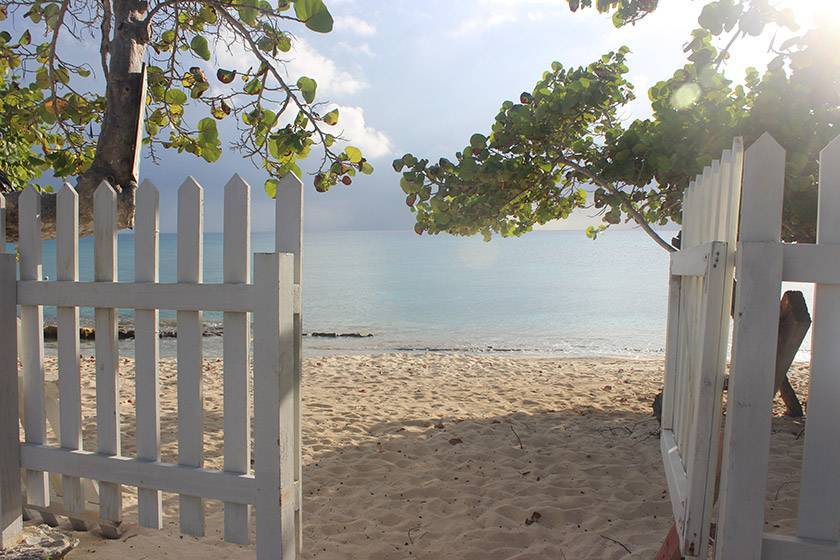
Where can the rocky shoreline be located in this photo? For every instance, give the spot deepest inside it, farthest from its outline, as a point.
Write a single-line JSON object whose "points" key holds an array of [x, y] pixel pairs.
{"points": [[126, 332]]}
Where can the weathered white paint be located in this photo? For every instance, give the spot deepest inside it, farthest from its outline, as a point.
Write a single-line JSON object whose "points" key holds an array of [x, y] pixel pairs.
{"points": [[146, 349], [237, 357], [751, 385], [190, 385], [69, 367], [32, 340], [289, 239], [107, 352], [115, 469], [140, 295], [274, 384], [819, 497], [698, 332], [11, 498], [275, 302]]}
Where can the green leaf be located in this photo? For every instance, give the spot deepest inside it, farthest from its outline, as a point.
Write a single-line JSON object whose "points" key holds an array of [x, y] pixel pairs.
{"points": [[307, 88], [331, 118], [200, 47], [271, 187], [478, 141], [26, 38], [253, 87], [366, 168], [225, 76], [199, 89], [175, 97], [314, 14], [353, 153]]}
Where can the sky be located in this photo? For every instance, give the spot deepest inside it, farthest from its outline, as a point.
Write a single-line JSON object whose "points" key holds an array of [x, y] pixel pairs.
{"points": [[422, 76]]}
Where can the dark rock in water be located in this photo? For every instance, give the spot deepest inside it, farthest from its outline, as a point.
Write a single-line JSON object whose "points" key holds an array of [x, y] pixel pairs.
{"points": [[339, 335], [50, 332], [41, 542]]}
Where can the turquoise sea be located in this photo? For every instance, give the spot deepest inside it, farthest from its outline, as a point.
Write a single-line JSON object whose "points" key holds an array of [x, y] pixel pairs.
{"points": [[547, 293]]}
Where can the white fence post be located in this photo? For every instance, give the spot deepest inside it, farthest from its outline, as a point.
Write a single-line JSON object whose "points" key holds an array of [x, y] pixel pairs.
{"points": [[236, 351], [107, 352], [289, 239], [746, 444], [274, 381], [32, 339], [11, 497], [190, 364], [819, 498], [147, 350], [69, 367]]}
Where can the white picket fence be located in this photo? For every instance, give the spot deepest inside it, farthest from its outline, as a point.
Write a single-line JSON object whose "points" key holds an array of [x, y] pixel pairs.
{"points": [[698, 321], [272, 300], [698, 333]]}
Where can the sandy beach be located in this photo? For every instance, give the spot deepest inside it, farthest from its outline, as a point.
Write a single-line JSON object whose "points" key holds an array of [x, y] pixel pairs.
{"points": [[468, 457]]}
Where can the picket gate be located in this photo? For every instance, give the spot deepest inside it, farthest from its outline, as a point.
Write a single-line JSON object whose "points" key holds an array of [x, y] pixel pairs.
{"points": [[692, 420], [272, 299]]}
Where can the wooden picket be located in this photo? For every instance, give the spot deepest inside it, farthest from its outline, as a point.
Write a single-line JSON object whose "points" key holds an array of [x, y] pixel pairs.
{"points": [[698, 331], [692, 417], [272, 484]]}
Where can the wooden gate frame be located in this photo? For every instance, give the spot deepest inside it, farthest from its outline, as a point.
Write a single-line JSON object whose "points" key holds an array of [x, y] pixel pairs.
{"points": [[274, 299], [699, 299]]}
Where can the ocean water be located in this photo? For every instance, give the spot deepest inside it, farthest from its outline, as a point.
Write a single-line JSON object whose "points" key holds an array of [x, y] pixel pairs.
{"points": [[547, 293]]}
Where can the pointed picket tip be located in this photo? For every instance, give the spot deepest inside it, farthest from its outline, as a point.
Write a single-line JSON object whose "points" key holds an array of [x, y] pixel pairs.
{"points": [[147, 186], [237, 183], [726, 157], [30, 196], [67, 192], [189, 186], [832, 150], [737, 144], [2, 201], [766, 144], [147, 193], [291, 181], [104, 192]]}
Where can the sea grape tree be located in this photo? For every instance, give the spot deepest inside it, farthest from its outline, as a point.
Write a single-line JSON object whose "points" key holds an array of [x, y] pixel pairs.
{"points": [[561, 146], [73, 112]]}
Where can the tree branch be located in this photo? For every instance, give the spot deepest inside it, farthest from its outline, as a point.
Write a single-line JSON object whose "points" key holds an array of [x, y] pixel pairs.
{"points": [[631, 208]]}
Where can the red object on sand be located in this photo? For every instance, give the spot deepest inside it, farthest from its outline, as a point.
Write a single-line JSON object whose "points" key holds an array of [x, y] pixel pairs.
{"points": [[670, 549]]}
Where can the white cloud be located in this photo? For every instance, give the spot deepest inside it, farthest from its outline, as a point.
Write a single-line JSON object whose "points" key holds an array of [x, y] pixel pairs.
{"points": [[302, 60], [495, 13], [353, 128], [353, 24], [361, 48], [332, 80]]}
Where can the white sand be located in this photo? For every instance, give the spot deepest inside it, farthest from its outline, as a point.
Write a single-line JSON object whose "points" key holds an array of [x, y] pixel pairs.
{"points": [[409, 456]]}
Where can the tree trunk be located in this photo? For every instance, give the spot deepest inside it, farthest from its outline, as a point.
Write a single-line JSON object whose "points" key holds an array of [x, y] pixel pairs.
{"points": [[117, 150], [794, 322]]}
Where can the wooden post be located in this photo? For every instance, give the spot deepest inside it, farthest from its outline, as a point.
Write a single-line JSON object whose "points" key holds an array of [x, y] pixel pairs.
{"points": [[32, 342], [147, 350], [289, 239], [190, 363], [746, 445], [794, 322], [11, 497], [236, 351], [274, 406], [69, 367], [107, 354], [819, 495]]}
